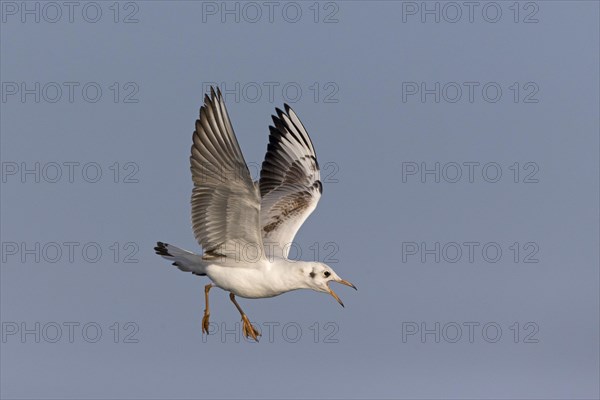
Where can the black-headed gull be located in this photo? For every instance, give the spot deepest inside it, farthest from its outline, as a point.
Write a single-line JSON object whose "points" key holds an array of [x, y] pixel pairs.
{"points": [[246, 228]]}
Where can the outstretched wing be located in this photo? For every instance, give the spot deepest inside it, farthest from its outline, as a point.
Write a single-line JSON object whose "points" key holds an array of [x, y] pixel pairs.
{"points": [[225, 201], [289, 182]]}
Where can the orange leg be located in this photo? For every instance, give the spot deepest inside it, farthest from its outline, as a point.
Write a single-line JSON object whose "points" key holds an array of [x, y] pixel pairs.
{"points": [[247, 328], [205, 319]]}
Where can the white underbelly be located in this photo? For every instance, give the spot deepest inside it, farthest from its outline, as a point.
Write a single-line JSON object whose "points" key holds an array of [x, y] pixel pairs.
{"points": [[244, 282]]}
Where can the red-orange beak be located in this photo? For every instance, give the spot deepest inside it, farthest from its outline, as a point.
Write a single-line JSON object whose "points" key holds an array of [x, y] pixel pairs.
{"points": [[335, 296]]}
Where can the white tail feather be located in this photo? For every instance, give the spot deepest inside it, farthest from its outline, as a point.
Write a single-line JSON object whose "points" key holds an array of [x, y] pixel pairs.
{"points": [[182, 259]]}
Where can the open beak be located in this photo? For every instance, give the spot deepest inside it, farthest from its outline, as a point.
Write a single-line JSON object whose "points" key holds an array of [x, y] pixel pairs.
{"points": [[335, 296]]}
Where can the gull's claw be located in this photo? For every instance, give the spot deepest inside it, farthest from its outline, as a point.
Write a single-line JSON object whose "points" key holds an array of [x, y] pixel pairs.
{"points": [[248, 329]]}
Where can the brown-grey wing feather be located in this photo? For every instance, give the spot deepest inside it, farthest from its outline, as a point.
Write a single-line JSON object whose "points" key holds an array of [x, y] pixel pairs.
{"points": [[225, 201], [290, 185]]}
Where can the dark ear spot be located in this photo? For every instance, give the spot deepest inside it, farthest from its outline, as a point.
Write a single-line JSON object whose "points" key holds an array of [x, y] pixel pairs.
{"points": [[312, 274]]}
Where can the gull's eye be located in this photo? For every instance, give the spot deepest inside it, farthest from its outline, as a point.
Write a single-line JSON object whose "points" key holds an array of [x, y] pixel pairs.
{"points": [[326, 273]]}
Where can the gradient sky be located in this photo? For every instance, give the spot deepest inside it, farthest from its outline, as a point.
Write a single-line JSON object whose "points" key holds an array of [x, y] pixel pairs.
{"points": [[397, 105]]}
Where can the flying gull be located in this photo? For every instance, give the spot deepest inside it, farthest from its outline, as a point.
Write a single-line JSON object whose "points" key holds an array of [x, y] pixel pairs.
{"points": [[246, 228]]}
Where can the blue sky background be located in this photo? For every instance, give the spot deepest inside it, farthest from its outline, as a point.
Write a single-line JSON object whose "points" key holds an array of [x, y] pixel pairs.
{"points": [[355, 73]]}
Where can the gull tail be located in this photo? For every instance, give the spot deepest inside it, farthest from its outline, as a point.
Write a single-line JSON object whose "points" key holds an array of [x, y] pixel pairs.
{"points": [[182, 259]]}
